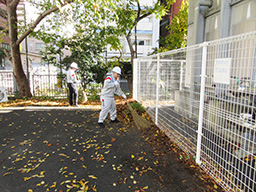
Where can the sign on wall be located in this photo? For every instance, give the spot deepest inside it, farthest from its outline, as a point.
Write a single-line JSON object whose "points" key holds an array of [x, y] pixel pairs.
{"points": [[222, 70]]}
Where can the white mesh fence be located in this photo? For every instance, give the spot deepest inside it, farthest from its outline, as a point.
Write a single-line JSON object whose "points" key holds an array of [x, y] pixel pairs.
{"points": [[203, 98]]}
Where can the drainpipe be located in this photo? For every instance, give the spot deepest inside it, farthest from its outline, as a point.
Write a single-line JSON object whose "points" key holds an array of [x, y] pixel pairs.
{"points": [[199, 24], [199, 29], [199, 19]]}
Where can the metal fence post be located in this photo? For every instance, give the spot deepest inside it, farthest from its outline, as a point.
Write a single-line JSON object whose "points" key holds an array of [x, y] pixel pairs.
{"points": [[135, 79], [139, 82], [181, 74], [201, 106], [157, 87]]}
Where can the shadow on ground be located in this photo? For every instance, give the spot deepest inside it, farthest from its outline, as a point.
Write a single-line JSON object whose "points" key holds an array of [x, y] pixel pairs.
{"points": [[65, 150]]}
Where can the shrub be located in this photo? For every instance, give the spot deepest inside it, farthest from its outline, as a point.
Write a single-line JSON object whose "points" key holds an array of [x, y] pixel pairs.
{"points": [[138, 107]]}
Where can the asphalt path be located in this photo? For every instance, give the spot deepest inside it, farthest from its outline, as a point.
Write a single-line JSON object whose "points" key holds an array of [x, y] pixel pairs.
{"points": [[64, 149]]}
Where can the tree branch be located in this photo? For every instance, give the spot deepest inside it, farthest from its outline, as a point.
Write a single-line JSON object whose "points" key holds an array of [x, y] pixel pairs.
{"points": [[7, 54], [14, 2], [38, 20]]}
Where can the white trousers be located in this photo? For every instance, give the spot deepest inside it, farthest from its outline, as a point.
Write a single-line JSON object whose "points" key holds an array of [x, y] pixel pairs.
{"points": [[108, 106]]}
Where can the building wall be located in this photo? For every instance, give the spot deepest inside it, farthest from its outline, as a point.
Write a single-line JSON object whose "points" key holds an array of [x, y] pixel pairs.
{"points": [[5, 41], [167, 19], [221, 19]]}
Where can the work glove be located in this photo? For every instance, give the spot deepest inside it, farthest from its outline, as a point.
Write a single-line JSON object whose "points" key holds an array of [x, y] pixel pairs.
{"points": [[124, 96], [116, 83]]}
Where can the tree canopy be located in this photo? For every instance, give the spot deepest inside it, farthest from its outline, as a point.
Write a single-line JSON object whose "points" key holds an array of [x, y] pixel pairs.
{"points": [[178, 30]]}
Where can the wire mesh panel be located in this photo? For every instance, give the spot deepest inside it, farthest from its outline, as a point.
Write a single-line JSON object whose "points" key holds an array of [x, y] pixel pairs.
{"points": [[48, 85], [7, 81], [228, 145], [203, 97]]}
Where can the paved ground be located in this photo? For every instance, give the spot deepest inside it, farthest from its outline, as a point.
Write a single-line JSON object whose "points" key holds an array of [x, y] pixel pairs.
{"points": [[53, 149]]}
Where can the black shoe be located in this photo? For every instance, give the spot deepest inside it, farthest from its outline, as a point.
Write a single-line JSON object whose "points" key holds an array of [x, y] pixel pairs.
{"points": [[115, 121], [101, 124]]}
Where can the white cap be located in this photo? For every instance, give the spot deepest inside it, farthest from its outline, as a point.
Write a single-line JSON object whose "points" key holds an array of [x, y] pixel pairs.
{"points": [[74, 65], [117, 70]]}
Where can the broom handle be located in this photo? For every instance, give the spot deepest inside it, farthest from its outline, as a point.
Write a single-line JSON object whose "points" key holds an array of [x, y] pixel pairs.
{"points": [[122, 92]]}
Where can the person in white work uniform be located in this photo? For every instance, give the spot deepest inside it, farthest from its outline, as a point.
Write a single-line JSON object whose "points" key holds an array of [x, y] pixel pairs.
{"points": [[71, 82], [111, 86]]}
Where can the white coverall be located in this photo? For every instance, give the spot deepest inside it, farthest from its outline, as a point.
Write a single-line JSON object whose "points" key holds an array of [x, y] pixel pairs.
{"points": [[107, 99]]}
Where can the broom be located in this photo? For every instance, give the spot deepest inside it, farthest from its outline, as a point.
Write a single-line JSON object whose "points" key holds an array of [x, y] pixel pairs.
{"points": [[139, 121], [84, 96]]}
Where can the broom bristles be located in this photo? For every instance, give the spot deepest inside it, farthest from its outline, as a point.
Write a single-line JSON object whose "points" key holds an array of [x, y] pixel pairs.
{"points": [[84, 100], [139, 121]]}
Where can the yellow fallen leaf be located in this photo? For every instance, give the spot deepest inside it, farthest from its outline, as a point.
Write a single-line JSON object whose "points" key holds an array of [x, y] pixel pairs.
{"points": [[7, 173], [26, 178], [42, 172], [30, 190], [54, 185], [68, 186], [63, 172], [215, 186], [92, 176]]}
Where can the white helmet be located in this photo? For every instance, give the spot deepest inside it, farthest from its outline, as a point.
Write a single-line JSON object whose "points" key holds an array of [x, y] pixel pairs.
{"points": [[117, 70], [74, 65]]}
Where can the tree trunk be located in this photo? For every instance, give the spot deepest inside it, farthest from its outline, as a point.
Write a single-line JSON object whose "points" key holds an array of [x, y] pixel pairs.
{"points": [[18, 71], [130, 79], [21, 79]]}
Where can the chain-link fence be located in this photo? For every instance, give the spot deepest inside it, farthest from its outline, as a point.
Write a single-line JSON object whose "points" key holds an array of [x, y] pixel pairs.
{"points": [[203, 98]]}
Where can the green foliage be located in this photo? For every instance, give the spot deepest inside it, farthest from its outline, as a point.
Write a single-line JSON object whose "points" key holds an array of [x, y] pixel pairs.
{"points": [[93, 94], [178, 30], [138, 107], [87, 39]]}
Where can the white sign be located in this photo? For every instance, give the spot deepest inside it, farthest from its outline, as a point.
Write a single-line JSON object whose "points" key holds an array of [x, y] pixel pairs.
{"points": [[222, 71], [3, 96]]}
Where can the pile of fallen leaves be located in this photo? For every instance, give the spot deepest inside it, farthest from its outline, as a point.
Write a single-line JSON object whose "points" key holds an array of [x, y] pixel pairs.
{"points": [[164, 145], [41, 101]]}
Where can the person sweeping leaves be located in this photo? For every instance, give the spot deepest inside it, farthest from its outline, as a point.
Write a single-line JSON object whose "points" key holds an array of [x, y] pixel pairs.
{"points": [[111, 86], [71, 83]]}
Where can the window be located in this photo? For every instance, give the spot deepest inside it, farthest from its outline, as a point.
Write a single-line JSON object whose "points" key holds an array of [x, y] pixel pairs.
{"points": [[141, 43], [243, 17], [212, 27], [39, 45]]}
